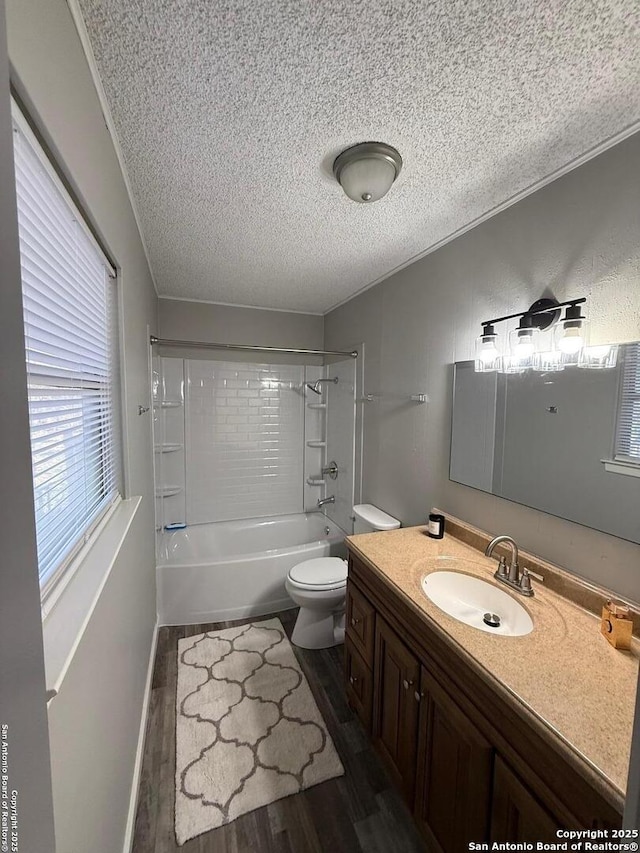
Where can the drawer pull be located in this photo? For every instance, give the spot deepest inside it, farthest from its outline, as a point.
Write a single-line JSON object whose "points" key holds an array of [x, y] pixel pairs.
{"points": [[407, 684], [354, 621]]}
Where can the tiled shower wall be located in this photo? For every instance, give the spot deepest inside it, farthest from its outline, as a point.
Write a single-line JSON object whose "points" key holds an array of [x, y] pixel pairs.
{"points": [[244, 427]]}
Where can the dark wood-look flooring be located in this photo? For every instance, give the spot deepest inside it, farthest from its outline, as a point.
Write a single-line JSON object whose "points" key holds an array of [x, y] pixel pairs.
{"points": [[360, 811]]}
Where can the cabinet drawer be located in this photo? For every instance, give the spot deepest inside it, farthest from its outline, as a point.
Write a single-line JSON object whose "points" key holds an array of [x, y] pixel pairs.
{"points": [[359, 683], [360, 623]]}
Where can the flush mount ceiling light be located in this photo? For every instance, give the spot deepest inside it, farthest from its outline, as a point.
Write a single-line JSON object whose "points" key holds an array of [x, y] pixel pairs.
{"points": [[366, 171]]}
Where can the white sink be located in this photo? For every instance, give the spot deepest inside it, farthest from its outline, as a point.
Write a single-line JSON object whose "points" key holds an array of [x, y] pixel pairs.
{"points": [[471, 600]]}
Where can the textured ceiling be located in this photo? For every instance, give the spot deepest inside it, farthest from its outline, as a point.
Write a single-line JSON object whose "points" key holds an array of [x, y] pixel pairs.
{"points": [[229, 114]]}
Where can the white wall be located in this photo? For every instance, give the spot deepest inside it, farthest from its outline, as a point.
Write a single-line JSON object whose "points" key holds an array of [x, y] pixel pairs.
{"points": [[22, 683], [244, 433], [577, 237], [95, 720]]}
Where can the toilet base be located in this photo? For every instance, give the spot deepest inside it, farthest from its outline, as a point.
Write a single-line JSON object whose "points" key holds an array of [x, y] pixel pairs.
{"points": [[318, 630]]}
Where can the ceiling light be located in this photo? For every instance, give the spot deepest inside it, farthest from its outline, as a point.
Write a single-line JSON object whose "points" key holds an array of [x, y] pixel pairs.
{"points": [[366, 171]]}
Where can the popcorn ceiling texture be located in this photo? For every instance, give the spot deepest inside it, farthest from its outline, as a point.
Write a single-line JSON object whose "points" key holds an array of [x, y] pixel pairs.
{"points": [[229, 115]]}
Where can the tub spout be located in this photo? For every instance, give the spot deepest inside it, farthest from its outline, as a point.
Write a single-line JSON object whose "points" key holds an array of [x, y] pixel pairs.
{"points": [[330, 500]]}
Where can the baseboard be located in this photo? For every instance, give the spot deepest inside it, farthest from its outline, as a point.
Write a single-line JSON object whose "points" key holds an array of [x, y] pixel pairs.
{"points": [[137, 769]]}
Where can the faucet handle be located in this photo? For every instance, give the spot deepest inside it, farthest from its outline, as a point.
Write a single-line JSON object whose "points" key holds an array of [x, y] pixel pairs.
{"points": [[502, 571], [525, 581]]}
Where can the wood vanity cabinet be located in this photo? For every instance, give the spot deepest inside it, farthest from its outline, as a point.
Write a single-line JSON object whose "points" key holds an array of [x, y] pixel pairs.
{"points": [[359, 653], [516, 814], [395, 712], [469, 767], [455, 763]]}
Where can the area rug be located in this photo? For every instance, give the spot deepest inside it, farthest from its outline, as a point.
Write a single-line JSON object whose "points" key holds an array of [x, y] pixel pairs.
{"points": [[248, 730]]}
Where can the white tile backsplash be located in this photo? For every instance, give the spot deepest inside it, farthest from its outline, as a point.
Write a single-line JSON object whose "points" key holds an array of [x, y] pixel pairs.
{"points": [[244, 440]]}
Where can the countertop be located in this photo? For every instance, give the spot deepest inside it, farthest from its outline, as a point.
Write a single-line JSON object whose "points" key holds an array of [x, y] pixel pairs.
{"points": [[565, 673]]}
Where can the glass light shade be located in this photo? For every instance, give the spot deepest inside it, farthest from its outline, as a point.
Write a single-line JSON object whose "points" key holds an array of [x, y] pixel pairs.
{"points": [[548, 362], [570, 337], [510, 364], [487, 353], [599, 358], [368, 179], [523, 345]]}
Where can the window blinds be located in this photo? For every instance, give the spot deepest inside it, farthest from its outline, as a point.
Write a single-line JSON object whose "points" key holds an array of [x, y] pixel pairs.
{"points": [[69, 299], [628, 429]]}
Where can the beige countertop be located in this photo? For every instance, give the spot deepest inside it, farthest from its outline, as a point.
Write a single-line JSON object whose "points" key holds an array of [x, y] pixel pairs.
{"points": [[564, 672]]}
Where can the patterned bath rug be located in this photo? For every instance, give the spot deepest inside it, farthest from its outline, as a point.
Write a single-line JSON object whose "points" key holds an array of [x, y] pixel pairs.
{"points": [[248, 730]]}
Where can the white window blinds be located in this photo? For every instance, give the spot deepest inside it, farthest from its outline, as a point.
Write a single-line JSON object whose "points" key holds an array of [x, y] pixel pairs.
{"points": [[69, 299], [628, 429]]}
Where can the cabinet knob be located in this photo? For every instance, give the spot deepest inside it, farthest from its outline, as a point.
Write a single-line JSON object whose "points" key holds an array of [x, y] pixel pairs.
{"points": [[354, 621], [352, 679], [407, 684], [418, 696]]}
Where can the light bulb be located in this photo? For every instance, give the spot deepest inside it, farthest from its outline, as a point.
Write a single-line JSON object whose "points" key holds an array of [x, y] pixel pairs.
{"points": [[524, 348], [571, 341], [488, 352]]}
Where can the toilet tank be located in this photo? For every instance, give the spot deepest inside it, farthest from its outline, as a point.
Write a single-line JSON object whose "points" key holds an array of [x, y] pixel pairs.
{"points": [[369, 519]]}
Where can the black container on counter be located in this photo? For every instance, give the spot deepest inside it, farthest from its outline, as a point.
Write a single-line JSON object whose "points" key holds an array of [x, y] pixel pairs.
{"points": [[435, 526]]}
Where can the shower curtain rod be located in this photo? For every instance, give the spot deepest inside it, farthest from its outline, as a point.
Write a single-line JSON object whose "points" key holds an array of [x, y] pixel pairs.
{"points": [[168, 342]]}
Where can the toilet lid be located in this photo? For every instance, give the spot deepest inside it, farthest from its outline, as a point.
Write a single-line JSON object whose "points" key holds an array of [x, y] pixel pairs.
{"points": [[322, 571]]}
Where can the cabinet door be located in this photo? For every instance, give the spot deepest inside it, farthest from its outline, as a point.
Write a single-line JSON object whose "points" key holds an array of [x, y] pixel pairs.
{"points": [[358, 683], [455, 764], [395, 709], [516, 814], [360, 620]]}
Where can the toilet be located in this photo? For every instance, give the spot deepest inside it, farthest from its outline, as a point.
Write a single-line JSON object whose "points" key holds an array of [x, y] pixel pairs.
{"points": [[319, 587]]}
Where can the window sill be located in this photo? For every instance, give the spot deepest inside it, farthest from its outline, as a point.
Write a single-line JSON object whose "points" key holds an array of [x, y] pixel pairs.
{"points": [[66, 618], [614, 466]]}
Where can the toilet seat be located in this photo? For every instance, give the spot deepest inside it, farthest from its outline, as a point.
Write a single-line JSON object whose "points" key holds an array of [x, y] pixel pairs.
{"points": [[321, 574]]}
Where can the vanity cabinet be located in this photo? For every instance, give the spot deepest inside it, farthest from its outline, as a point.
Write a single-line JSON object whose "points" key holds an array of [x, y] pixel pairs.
{"points": [[395, 717], [454, 769], [469, 766], [359, 654], [516, 814]]}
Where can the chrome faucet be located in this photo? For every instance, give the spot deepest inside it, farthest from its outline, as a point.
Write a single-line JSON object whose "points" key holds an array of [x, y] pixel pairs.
{"points": [[330, 500], [510, 574]]}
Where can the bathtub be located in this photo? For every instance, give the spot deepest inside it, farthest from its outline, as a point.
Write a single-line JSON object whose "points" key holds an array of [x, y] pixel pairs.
{"points": [[234, 569]]}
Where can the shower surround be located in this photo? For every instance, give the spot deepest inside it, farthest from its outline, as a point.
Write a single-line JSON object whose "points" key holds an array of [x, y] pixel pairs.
{"points": [[240, 449]]}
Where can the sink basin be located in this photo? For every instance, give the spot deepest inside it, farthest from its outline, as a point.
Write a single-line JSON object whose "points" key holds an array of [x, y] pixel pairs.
{"points": [[472, 601]]}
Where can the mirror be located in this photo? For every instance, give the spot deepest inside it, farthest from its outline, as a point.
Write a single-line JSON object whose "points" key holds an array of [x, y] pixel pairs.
{"points": [[542, 439]]}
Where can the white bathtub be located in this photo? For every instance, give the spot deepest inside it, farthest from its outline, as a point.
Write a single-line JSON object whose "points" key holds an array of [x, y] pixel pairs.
{"points": [[234, 569]]}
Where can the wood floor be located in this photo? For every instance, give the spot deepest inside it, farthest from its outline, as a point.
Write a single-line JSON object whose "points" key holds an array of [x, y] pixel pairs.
{"points": [[360, 811]]}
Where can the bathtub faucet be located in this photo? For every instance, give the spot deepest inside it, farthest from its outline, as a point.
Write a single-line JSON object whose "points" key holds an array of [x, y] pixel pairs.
{"points": [[330, 500]]}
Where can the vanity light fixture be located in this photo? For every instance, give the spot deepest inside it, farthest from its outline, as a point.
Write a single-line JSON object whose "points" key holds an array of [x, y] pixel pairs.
{"points": [[366, 171], [529, 348]]}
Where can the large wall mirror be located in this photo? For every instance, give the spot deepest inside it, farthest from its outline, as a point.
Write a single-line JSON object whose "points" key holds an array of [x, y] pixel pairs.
{"points": [[547, 440]]}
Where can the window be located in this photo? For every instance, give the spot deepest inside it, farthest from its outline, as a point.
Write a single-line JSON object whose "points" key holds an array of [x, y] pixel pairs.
{"points": [[628, 429], [69, 298]]}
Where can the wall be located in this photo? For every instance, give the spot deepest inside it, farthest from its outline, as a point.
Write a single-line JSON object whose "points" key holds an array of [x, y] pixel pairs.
{"points": [[95, 721], [22, 683], [201, 321], [244, 433], [576, 237]]}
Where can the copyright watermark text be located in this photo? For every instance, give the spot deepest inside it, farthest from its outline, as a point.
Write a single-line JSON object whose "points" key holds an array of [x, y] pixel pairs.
{"points": [[578, 840]]}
